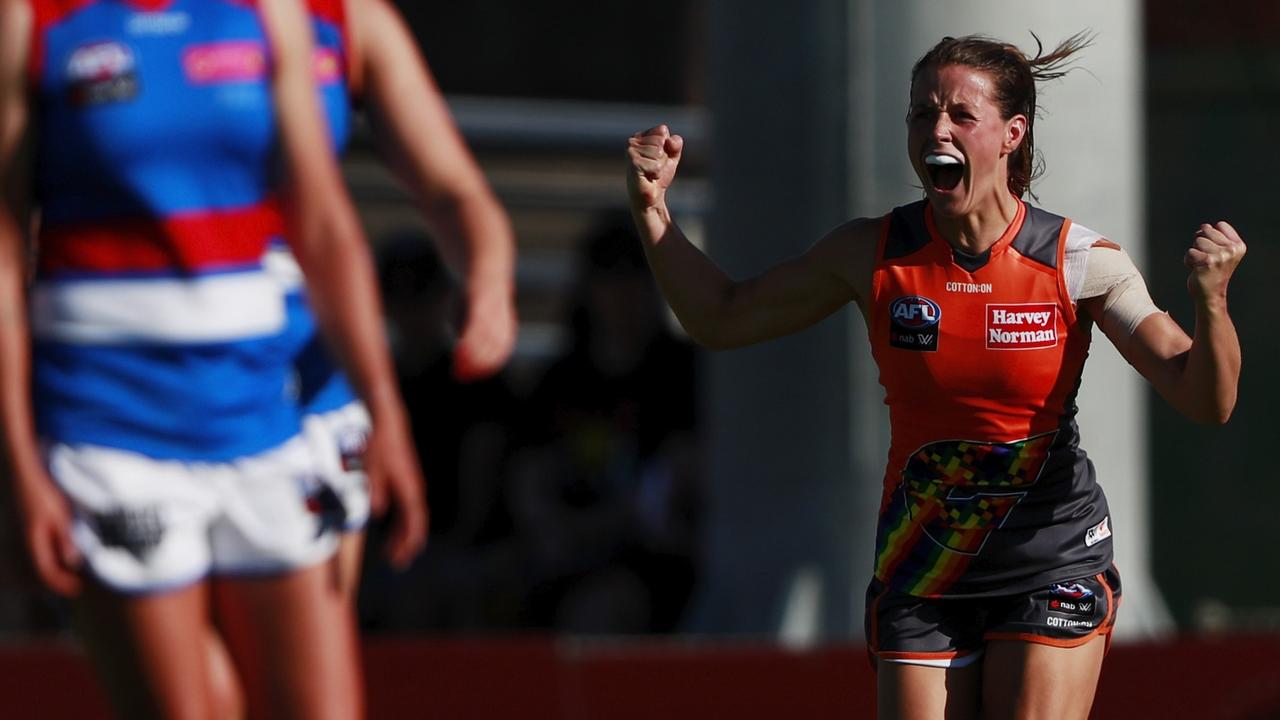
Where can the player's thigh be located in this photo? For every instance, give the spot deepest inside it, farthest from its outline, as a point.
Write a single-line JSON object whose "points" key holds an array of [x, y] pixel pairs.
{"points": [[294, 639], [337, 440], [350, 559], [919, 692], [927, 653], [1045, 647], [1028, 680], [150, 649], [227, 696]]}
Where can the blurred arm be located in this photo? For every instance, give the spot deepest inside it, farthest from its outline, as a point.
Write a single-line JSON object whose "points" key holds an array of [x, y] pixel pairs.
{"points": [[45, 516], [717, 311], [420, 143], [330, 246]]}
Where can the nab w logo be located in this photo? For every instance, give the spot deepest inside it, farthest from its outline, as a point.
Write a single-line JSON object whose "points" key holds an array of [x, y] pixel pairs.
{"points": [[914, 321]]}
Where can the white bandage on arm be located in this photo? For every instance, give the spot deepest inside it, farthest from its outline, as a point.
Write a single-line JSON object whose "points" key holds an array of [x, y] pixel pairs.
{"points": [[1111, 274]]}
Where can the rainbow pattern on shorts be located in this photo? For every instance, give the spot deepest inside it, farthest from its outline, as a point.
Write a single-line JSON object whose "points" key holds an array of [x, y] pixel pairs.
{"points": [[953, 495]]}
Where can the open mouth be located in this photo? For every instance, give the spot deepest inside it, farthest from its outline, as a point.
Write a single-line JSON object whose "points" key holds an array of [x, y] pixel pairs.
{"points": [[945, 171]]}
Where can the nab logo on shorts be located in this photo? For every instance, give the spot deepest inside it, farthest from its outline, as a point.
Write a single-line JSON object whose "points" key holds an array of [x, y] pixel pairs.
{"points": [[914, 322], [1022, 326], [101, 72], [1072, 599]]}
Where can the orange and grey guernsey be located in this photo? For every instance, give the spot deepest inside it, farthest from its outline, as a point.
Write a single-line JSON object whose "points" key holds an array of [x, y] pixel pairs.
{"points": [[987, 491]]}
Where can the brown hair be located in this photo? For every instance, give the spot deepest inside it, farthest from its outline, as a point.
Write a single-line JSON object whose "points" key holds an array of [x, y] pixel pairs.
{"points": [[1015, 76]]}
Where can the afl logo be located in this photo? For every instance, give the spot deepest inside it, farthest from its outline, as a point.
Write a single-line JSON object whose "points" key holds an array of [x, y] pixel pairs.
{"points": [[914, 322], [102, 72], [98, 62], [915, 312]]}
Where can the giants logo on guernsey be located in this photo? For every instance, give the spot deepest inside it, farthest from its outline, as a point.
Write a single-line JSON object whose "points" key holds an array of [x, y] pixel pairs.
{"points": [[1022, 326]]}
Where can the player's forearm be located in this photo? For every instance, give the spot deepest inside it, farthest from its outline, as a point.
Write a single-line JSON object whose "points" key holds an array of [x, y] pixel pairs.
{"points": [[1212, 373], [16, 422], [342, 289], [419, 141], [475, 238], [323, 227], [697, 290]]}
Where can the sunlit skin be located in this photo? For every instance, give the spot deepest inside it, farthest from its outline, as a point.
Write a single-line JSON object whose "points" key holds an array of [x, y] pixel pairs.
{"points": [[952, 112]]}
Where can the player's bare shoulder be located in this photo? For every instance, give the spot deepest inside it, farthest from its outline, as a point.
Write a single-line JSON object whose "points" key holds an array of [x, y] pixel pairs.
{"points": [[16, 21], [849, 250]]}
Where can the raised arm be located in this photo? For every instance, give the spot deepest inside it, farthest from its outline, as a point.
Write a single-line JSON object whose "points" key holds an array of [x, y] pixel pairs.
{"points": [[331, 248], [717, 311], [420, 142], [46, 518], [1197, 375]]}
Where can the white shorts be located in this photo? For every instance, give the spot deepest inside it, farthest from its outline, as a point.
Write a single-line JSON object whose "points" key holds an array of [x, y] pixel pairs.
{"points": [[338, 439], [145, 525]]}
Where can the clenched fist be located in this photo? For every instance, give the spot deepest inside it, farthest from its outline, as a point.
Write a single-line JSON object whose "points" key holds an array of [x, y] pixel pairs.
{"points": [[1212, 258], [654, 155]]}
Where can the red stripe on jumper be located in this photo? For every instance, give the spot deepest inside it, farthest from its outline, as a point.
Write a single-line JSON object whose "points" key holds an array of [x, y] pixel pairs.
{"points": [[185, 242]]}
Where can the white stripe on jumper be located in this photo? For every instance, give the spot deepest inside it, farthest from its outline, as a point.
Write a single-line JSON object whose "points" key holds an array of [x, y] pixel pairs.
{"points": [[280, 264], [214, 308]]}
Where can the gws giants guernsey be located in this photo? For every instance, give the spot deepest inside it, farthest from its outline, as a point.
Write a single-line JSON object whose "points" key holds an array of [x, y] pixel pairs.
{"points": [[986, 490], [156, 327]]}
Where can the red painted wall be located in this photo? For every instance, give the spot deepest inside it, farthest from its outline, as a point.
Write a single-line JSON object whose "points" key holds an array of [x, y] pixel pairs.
{"points": [[1235, 678]]}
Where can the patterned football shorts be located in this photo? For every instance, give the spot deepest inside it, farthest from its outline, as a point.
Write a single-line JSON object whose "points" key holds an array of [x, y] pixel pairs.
{"points": [[337, 439], [952, 632], [146, 525]]}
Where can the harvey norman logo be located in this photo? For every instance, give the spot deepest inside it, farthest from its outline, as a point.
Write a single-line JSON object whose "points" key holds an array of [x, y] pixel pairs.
{"points": [[1026, 326]]}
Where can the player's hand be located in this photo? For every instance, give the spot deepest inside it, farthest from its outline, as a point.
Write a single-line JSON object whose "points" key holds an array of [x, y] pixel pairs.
{"points": [[489, 334], [46, 521], [1213, 256], [654, 155], [396, 486]]}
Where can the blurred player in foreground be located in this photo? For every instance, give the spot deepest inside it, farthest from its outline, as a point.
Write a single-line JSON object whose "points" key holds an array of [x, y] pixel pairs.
{"points": [[163, 479], [366, 56]]}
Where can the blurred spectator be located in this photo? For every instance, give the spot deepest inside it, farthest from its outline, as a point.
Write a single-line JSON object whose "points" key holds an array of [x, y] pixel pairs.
{"points": [[575, 510], [461, 434], [606, 494]]}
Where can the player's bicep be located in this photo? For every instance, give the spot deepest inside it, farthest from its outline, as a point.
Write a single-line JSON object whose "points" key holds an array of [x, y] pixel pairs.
{"points": [[807, 288], [416, 132], [1157, 349], [801, 289], [297, 105], [311, 186], [1118, 302], [1115, 296], [15, 176]]}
